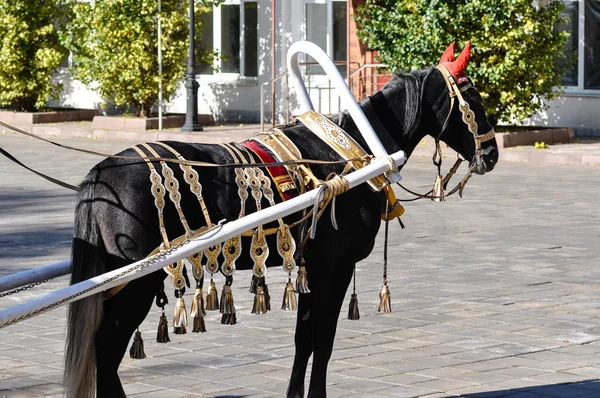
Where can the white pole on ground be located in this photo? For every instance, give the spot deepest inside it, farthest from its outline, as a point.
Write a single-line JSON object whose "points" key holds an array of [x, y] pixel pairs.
{"points": [[39, 274], [224, 232]]}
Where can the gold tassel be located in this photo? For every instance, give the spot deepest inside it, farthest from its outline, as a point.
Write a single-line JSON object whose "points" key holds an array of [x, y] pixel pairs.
{"points": [[212, 297], [227, 301], [438, 189], [198, 313], [259, 281], [385, 303], [180, 317], [260, 305], [302, 280], [353, 313], [137, 348], [162, 336], [199, 325], [289, 298], [227, 306]]}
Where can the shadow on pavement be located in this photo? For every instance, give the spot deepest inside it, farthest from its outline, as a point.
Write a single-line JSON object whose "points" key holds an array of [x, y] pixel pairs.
{"points": [[586, 388]]}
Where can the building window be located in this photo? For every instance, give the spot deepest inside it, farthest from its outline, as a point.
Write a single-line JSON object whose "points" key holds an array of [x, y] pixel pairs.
{"points": [[231, 30], [591, 53], [584, 26], [326, 27]]}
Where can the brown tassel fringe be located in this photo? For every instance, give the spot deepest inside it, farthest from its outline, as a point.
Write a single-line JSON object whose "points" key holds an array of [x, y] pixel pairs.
{"points": [[227, 301], [198, 312], [162, 335], [289, 298], [229, 319], [199, 326], [137, 348], [260, 305], [254, 283], [302, 280], [267, 295], [353, 313], [212, 297], [180, 317], [385, 303]]}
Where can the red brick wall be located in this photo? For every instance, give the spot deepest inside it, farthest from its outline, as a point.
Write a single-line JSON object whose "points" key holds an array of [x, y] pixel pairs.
{"points": [[359, 54]]}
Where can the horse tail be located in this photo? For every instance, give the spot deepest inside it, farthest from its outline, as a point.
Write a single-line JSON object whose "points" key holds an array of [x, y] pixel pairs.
{"points": [[84, 316]]}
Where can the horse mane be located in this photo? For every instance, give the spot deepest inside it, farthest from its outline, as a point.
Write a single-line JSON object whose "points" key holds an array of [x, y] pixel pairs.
{"points": [[403, 95], [414, 88]]}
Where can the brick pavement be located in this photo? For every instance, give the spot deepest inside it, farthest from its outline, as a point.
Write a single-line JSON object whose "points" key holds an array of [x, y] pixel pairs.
{"points": [[496, 294]]}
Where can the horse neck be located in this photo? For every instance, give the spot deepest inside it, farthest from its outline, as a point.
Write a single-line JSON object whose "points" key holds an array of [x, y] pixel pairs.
{"points": [[386, 111]]}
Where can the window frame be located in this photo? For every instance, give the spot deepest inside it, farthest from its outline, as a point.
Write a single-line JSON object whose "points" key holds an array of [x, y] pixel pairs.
{"points": [[580, 89], [330, 34], [217, 43]]}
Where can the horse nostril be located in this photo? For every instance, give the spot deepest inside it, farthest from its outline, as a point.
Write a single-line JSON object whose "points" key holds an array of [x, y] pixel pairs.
{"points": [[490, 158]]}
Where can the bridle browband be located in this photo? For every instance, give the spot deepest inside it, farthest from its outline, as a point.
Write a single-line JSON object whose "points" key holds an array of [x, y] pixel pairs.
{"points": [[468, 117]]}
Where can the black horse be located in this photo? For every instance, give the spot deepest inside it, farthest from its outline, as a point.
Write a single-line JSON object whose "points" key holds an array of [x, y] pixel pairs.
{"points": [[116, 224]]}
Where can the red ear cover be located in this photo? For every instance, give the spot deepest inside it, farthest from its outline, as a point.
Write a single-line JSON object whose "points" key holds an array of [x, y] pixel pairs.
{"points": [[448, 55], [458, 67]]}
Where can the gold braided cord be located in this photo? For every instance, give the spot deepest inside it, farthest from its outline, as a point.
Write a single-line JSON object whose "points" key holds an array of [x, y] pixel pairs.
{"points": [[336, 185]]}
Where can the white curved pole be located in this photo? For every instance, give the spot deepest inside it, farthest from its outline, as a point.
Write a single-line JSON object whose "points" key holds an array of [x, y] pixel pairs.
{"points": [[226, 231], [348, 100]]}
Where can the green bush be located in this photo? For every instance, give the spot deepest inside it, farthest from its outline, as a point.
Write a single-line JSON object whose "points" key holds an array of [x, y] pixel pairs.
{"points": [[29, 53], [115, 49], [517, 57]]}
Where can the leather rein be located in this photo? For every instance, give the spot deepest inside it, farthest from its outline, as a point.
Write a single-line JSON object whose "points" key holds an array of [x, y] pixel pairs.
{"points": [[157, 159]]}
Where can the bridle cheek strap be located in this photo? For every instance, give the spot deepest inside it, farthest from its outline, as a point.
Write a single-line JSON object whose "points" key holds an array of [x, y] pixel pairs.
{"points": [[468, 116]]}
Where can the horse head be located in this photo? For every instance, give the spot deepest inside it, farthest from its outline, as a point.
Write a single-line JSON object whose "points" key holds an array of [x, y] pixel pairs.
{"points": [[461, 121]]}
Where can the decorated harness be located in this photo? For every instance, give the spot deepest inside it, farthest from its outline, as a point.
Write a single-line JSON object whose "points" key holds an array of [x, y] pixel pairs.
{"points": [[289, 178]]}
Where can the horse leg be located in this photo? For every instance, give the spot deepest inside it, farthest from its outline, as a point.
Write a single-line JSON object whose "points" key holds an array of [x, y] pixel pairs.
{"points": [[123, 314], [303, 342], [325, 313]]}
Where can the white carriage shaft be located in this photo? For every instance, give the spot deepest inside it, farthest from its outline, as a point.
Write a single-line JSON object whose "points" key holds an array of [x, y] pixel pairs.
{"points": [[348, 100], [224, 232]]}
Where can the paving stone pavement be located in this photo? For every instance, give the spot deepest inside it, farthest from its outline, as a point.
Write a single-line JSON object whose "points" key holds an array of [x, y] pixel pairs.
{"points": [[495, 294]]}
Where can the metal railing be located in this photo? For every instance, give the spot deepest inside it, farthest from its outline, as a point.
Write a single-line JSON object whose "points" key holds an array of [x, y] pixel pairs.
{"points": [[319, 88], [262, 99], [374, 77]]}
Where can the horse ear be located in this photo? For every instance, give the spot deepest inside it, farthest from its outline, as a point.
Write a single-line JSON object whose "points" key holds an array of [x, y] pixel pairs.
{"points": [[448, 55], [458, 68]]}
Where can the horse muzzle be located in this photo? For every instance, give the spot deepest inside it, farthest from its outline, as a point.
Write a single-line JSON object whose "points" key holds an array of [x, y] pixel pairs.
{"points": [[486, 161]]}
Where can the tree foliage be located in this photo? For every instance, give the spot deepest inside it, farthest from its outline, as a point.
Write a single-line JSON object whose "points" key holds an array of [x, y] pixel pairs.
{"points": [[29, 52], [115, 48], [517, 59]]}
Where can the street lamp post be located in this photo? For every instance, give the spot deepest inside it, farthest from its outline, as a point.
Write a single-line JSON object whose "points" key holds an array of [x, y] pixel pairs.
{"points": [[191, 85]]}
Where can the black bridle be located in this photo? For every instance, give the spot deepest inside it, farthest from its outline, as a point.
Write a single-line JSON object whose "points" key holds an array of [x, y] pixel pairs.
{"points": [[468, 117]]}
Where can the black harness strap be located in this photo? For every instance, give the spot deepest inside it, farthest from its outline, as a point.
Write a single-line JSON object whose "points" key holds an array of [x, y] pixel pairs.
{"points": [[51, 179]]}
